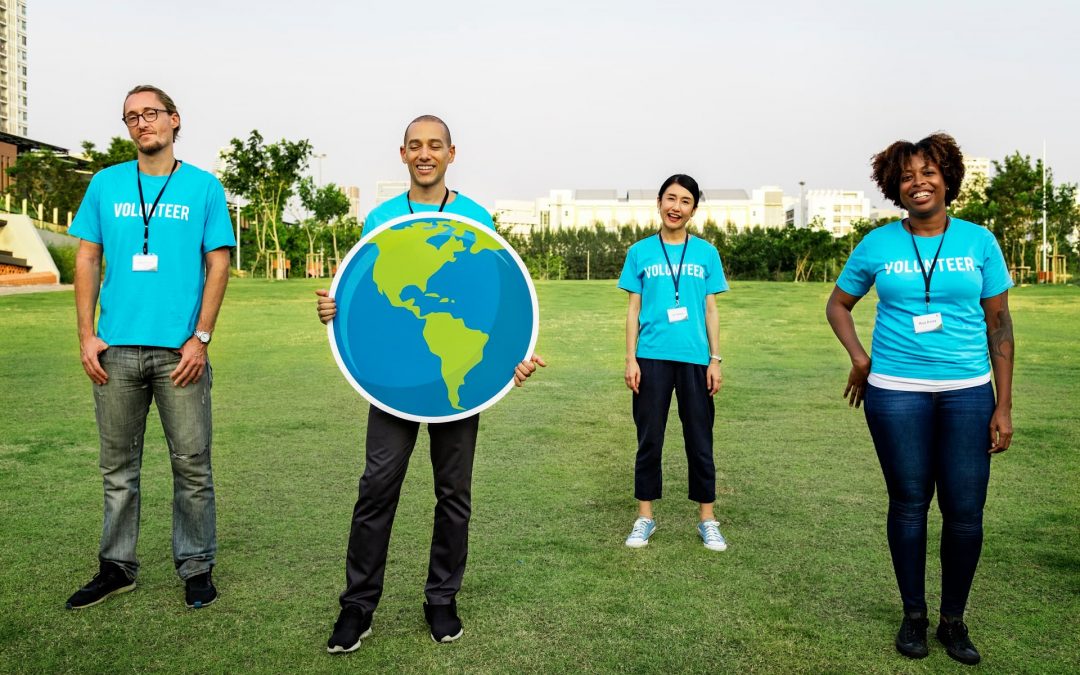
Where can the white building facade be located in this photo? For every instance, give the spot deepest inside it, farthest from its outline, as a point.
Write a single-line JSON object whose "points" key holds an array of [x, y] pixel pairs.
{"points": [[13, 92], [763, 207]]}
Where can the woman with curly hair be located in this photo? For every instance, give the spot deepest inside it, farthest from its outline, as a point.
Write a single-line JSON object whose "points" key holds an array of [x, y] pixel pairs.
{"points": [[942, 326]]}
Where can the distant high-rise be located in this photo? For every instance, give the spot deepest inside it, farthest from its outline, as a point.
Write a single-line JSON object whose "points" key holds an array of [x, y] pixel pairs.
{"points": [[353, 193], [13, 117]]}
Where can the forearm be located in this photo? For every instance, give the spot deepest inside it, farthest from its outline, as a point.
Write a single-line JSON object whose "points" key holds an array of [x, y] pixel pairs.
{"points": [[217, 278], [87, 287], [843, 326], [632, 329], [712, 325], [1001, 345]]}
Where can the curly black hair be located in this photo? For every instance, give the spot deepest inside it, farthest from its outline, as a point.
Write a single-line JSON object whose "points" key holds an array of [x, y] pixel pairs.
{"points": [[939, 148]]}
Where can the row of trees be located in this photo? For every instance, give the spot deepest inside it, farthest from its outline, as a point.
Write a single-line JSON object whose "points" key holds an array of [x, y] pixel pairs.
{"points": [[784, 254], [286, 215], [1011, 204]]}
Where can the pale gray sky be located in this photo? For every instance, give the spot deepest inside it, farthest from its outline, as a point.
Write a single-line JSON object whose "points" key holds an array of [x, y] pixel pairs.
{"points": [[574, 94]]}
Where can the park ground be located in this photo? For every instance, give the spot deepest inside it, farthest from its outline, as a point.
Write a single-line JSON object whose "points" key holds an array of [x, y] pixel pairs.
{"points": [[805, 586]]}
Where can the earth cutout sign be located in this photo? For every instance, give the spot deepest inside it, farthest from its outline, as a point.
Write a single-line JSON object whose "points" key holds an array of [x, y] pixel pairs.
{"points": [[434, 311]]}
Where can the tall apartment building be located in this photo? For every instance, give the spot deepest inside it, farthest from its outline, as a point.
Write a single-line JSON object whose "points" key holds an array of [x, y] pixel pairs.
{"points": [[13, 105], [388, 189], [353, 193]]}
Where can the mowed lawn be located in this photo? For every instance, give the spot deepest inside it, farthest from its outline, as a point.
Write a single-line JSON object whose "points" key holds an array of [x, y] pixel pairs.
{"points": [[806, 584]]}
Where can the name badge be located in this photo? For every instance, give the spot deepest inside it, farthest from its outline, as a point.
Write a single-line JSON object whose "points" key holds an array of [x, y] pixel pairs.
{"points": [[144, 263], [928, 323], [677, 314]]}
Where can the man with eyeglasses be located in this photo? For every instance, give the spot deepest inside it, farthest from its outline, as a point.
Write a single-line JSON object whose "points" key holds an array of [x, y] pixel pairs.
{"points": [[427, 150], [163, 228]]}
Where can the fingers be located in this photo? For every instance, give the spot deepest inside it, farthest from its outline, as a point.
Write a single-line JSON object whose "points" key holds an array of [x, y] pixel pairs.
{"points": [[522, 371], [326, 306], [93, 369], [1000, 439], [539, 360], [91, 361], [191, 367]]}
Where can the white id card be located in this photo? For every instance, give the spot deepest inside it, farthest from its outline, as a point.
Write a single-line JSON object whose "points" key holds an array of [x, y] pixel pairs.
{"points": [[144, 262], [927, 323], [677, 314]]}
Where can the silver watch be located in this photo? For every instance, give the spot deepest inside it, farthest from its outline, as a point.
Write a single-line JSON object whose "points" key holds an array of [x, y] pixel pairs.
{"points": [[203, 336]]}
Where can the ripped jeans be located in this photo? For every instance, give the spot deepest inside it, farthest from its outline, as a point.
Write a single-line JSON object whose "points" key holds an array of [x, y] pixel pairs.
{"points": [[138, 375]]}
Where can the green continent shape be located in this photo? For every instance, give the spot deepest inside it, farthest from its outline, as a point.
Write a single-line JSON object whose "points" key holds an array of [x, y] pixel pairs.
{"points": [[407, 259], [458, 347]]}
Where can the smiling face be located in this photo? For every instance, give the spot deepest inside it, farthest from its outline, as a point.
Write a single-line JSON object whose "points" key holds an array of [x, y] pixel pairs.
{"points": [[676, 207], [151, 137], [427, 152], [922, 187]]}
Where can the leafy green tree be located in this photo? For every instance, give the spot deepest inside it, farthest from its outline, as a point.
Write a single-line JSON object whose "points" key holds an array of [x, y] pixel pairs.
{"points": [[45, 177], [120, 150], [266, 175], [328, 206]]}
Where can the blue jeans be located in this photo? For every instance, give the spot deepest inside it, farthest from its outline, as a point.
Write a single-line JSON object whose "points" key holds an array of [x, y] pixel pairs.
{"points": [[138, 375], [923, 441]]}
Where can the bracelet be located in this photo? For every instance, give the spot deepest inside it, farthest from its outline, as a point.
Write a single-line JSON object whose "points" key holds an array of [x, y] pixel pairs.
{"points": [[716, 357]]}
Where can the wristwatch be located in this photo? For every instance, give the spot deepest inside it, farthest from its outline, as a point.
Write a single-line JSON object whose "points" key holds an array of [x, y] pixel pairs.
{"points": [[203, 336], [716, 357]]}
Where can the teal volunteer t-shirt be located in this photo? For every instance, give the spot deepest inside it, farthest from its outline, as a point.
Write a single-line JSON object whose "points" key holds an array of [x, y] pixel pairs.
{"points": [[970, 268], [399, 206], [153, 309], [647, 272]]}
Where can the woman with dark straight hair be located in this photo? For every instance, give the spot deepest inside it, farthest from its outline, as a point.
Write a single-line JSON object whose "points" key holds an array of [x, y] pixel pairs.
{"points": [[673, 344], [942, 326]]}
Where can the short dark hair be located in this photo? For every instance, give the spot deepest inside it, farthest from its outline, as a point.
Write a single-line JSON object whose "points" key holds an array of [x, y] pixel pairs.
{"points": [[165, 99], [429, 118], [684, 181], [939, 148]]}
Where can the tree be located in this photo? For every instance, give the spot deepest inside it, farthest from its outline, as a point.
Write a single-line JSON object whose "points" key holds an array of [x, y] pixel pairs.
{"points": [[45, 177], [1012, 208], [267, 176], [120, 150], [328, 206]]}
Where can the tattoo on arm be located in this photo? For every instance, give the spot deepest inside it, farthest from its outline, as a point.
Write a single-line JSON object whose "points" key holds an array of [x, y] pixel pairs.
{"points": [[1000, 337]]}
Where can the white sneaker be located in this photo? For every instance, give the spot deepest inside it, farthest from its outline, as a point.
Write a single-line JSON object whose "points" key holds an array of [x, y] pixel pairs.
{"points": [[710, 535], [639, 535]]}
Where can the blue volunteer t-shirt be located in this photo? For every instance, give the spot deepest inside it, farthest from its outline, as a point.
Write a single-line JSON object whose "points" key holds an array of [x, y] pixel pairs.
{"points": [[969, 269], [399, 206], [153, 309], [647, 273]]}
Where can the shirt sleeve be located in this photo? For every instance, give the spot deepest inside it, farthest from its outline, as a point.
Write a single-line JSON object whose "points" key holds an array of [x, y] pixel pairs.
{"points": [[218, 230], [630, 279], [858, 275], [715, 281], [995, 273], [87, 223]]}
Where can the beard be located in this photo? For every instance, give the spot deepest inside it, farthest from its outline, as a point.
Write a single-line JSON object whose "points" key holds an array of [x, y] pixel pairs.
{"points": [[150, 146]]}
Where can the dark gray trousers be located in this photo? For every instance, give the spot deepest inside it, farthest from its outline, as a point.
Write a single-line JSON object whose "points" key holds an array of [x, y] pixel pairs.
{"points": [[390, 442]]}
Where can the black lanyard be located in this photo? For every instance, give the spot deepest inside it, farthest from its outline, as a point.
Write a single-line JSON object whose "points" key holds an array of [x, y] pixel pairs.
{"points": [[674, 276], [933, 265], [441, 206], [142, 204]]}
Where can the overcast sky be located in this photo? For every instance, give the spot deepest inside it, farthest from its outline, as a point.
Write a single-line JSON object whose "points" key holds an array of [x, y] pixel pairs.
{"points": [[547, 95]]}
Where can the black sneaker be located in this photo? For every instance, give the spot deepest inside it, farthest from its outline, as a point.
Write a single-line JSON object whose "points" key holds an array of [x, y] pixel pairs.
{"points": [[444, 622], [352, 626], [911, 640], [110, 580], [199, 591], [954, 635]]}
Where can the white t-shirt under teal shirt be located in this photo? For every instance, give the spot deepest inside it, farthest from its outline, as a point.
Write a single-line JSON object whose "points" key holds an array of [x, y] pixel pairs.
{"points": [[969, 269]]}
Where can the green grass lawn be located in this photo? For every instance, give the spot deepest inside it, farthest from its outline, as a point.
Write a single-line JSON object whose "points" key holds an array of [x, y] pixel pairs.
{"points": [[806, 584]]}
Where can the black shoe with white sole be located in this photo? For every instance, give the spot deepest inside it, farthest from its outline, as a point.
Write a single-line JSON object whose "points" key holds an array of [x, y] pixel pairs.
{"points": [[444, 622], [351, 627], [109, 581]]}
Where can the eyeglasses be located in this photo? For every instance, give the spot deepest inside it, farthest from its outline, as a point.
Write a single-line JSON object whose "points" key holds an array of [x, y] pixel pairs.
{"points": [[150, 114]]}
